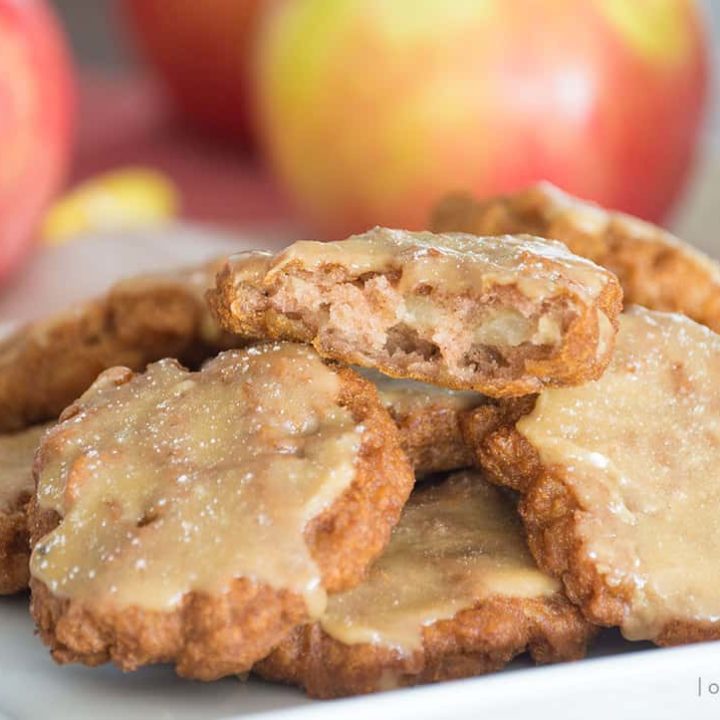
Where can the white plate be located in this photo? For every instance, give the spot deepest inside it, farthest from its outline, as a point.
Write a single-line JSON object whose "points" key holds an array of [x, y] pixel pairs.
{"points": [[623, 679], [648, 683]]}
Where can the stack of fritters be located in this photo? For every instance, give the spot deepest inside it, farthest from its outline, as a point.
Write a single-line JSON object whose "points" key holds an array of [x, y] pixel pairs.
{"points": [[619, 478], [254, 512], [45, 365]]}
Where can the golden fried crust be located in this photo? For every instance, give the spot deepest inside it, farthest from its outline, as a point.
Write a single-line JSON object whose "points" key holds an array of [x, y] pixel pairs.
{"points": [[47, 364], [348, 536], [548, 508], [208, 637], [496, 421], [241, 306], [550, 511], [14, 549], [16, 453], [655, 268], [438, 437], [432, 439], [476, 641]]}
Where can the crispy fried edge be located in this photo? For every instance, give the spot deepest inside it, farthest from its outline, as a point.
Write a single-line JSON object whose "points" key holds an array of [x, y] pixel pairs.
{"points": [[550, 511], [655, 268], [137, 332], [432, 438], [14, 549], [438, 439], [576, 361], [15, 545], [123, 327], [211, 636], [474, 642]]}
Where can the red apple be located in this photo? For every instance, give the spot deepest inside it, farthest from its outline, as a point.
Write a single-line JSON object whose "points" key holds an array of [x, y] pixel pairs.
{"points": [[201, 50], [371, 110], [35, 113]]}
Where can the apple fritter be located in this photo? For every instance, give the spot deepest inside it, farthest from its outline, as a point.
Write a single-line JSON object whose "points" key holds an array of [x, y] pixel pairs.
{"points": [[501, 316], [198, 517], [656, 269]]}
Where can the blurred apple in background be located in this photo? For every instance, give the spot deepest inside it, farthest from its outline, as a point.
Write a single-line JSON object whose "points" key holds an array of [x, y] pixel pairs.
{"points": [[124, 123], [36, 105], [201, 50], [371, 110]]}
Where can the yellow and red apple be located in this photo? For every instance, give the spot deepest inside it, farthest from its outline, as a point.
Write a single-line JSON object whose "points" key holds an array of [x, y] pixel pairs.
{"points": [[201, 50], [36, 99], [371, 110]]}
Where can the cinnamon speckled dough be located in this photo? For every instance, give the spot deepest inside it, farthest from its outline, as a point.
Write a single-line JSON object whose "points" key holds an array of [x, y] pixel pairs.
{"points": [[501, 316], [45, 365], [655, 268], [197, 518], [620, 482], [16, 487], [455, 594]]}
